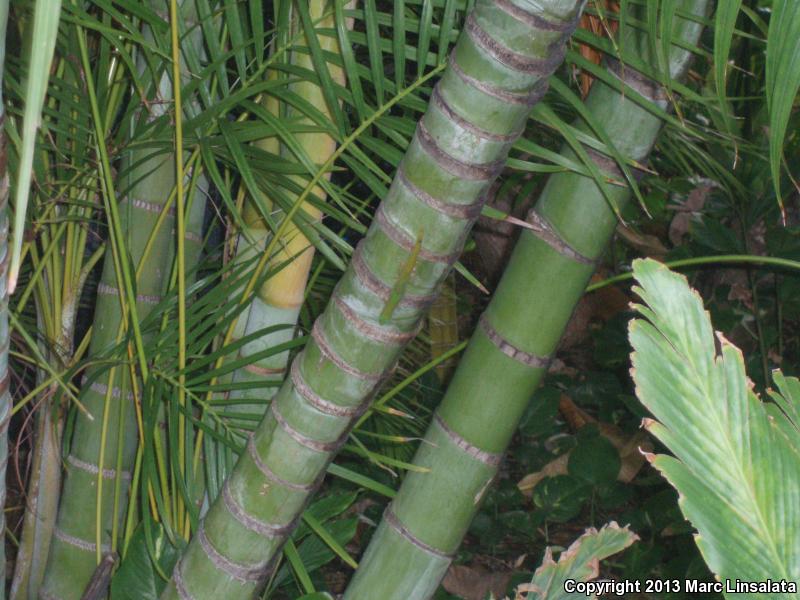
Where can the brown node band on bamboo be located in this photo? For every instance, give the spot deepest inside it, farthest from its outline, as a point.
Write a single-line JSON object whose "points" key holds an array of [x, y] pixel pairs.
{"points": [[450, 209], [318, 402], [375, 333], [180, 584], [637, 81], [268, 530], [407, 243], [267, 472], [527, 99], [488, 458], [256, 369], [609, 166], [545, 232], [94, 469], [76, 542], [242, 573], [318, 335], [380, 289], [507, 348], [442, 105], [392, 521], [454, 166], [535, 21], [514, 60], [263, 371], [298, 437]]}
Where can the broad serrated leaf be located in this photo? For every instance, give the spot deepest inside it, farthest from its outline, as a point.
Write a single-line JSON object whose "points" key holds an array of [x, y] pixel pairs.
{"points": [[735, 469], [580, 562]]}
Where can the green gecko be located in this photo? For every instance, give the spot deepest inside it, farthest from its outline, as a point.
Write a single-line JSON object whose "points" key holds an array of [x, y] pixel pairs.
{"points": [[399, 288]]}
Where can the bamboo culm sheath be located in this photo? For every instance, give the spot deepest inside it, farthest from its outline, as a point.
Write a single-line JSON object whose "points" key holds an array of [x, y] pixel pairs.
{"points": [[517, 334], [104, 448], [5, 336], [497, 71]]}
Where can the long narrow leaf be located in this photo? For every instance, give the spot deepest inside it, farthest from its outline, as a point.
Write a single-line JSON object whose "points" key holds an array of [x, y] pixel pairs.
{"points": [[43, 43]]}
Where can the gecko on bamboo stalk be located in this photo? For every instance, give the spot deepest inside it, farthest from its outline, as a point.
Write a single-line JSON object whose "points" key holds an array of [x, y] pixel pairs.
{"points": [[399, 288]]}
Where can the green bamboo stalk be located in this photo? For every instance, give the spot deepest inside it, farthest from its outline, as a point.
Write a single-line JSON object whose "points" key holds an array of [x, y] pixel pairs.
{"points": [[518, 333], [443, 327], [5, 338], [278, 301], [104, 445], [497, 71], [64, 263], [108, 395], [41, 502]]}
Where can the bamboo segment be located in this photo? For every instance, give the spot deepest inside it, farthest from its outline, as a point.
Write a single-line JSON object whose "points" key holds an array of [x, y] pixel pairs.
{"points": [[109, 439], [108, 394], [41, 506], [5, 337], [497, 71], [517, 334], [278, 301], [56, 320], [443, 327]]}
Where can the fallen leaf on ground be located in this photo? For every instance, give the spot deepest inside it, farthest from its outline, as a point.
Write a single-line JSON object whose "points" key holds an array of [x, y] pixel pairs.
{"points": [[630, 447], [475, 583]]}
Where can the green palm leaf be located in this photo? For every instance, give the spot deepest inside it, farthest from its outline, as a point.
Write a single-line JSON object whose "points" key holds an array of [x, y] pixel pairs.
{"points": [[735, 468], [577, 563], [783, 77], [45, 25], [724, 25]]}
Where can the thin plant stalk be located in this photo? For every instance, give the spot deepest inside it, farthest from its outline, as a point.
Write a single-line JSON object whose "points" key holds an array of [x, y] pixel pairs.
{"points": [[517, 335], [497, 71], [5, 337]]}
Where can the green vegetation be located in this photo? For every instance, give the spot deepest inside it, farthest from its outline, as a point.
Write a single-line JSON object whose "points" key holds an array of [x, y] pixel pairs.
{"points": [[339, 298]]}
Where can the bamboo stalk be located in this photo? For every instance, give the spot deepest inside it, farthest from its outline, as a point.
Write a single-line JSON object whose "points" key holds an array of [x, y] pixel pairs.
{"points": [[5, 337], [64, 262], [497, 71], [443, 327], [509, 351], [278, 301], [41, 503], [95, 487]]}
